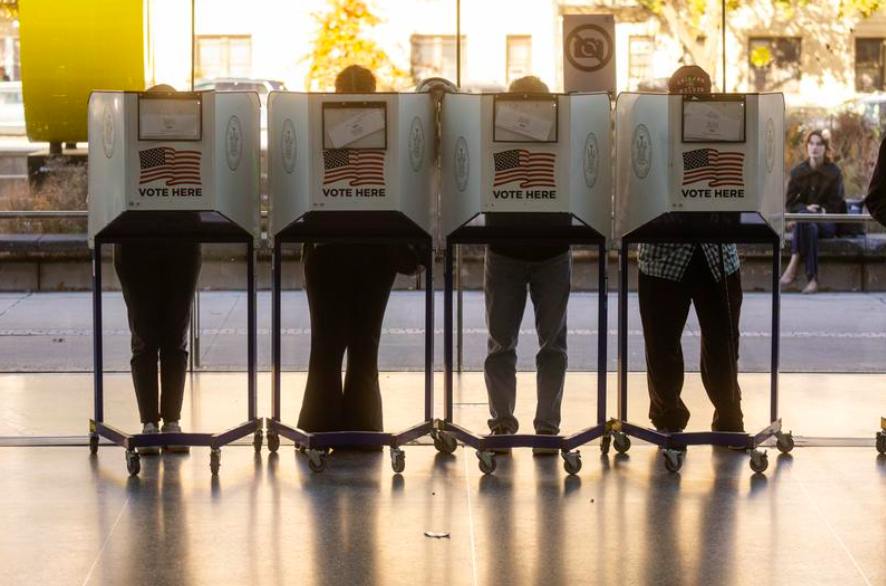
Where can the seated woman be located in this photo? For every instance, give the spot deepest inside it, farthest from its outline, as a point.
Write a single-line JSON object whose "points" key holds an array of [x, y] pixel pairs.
{"points": [[815, 187], [348, 286]]}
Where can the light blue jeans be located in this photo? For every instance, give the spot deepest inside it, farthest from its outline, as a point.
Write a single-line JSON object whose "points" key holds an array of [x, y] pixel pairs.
{"points": [[506, 281]]}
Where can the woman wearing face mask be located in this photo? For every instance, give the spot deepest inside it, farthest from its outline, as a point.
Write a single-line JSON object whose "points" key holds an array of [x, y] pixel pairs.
{"points": [[815, 187]]}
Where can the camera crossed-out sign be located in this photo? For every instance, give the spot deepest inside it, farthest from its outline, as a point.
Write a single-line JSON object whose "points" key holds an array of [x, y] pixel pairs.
{"points": [[589, 53]]}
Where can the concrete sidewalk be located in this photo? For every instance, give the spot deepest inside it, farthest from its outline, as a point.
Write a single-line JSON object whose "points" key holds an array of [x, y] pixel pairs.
{"points": [[822, 333]]}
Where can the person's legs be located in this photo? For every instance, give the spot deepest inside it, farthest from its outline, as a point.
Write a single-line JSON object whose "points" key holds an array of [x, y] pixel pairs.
{"points": [[549, 286], [790, 273], [817, 231], [139, 279], [328, 300], [504, 284], [664, 307], [179, 281], [373, 278], [719, 324]]}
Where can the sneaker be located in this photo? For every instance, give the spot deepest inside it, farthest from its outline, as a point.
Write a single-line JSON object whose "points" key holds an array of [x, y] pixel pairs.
{"points": [[149, 428], [501, 430], [537, 451], [174, 427]]}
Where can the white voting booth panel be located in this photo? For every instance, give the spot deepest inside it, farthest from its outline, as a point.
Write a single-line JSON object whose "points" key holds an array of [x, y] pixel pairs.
{"points": [[167, 152], [501, 158], [702, 156], [350, 152]]}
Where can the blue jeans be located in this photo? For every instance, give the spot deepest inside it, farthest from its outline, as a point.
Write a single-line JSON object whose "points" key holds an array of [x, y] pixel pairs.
{"points": [[805, 243], [506, 281]]}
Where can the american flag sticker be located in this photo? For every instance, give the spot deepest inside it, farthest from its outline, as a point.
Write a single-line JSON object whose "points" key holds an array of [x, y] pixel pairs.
{"points": [[716, 167], [357, 167], [177, 167], [530, 169]]}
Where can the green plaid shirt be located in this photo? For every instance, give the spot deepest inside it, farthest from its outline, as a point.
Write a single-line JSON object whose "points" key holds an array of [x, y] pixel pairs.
{"points": [[669, 261]]}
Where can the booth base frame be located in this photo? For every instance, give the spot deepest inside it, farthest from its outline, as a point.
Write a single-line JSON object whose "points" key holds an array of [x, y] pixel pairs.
{"points": [[446, 433], [674, 445], [131, 442], [316, 445]]}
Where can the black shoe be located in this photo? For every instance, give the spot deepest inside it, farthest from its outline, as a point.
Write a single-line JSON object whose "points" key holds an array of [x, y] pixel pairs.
{"points": [[669, 430], [501, 430]]}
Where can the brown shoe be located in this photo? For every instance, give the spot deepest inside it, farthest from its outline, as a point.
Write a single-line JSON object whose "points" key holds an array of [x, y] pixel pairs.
{"points": [[811, 288]]}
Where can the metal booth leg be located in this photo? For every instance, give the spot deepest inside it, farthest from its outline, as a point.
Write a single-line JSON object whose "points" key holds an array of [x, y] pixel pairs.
{"points": [[97, 348], [447, 333], [429, 332]]}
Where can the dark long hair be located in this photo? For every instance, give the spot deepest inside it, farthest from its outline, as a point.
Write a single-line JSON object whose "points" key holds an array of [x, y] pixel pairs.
{"points": [[828, 154]]}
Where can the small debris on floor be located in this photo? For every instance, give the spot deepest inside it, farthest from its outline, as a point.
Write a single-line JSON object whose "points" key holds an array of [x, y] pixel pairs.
{"points": [[435, 535]]}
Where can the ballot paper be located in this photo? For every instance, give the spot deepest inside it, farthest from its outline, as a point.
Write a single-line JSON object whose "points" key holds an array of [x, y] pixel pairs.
{"points": [[169, 119], [532, 119], [361, 123], [713, 121]]}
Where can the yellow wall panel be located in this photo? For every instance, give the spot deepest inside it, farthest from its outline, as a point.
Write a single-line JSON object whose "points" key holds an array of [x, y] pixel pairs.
{"points": [[70, 48]]}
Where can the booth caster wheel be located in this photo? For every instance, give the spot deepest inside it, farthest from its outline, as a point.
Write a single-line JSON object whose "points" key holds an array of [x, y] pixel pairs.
{"points": [[398, 460], [673, 460], [445, 442], [133, 463], [759, 461], [881, 443], [273, 442], [605, 442], [257, 441], [93, 443], [214, 461], [316, 460], [784, 442], [487, 461], [571, 462], [621, 442]]}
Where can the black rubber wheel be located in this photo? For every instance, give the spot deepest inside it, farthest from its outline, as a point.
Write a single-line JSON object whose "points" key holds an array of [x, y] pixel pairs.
{"points": [[881, 443], [759, 462], [93, 443], [622, 443], [487, 464], [605, 442], [785, 443], [273, 442], [445, 443], [318, 463], [215, 461], [398, 462], [133, 463], [673, 461], [257, 441], [572, 464]]}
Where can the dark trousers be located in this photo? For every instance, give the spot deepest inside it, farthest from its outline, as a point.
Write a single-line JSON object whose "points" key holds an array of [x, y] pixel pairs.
{"points": [[664, 307], [805, 243], [348, 288], [158, 282]]}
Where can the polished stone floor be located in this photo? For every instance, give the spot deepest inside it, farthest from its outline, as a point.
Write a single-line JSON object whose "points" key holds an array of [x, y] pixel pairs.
{"points": [[818, 516]]}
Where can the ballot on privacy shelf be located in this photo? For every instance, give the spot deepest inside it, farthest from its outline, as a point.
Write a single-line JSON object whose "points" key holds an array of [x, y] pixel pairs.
{"points": [[713, 121], [366, 122], [533, 120], [169, 119]]}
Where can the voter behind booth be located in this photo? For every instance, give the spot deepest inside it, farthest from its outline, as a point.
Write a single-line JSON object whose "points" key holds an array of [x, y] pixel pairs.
{"points": [[159, 278], [815, 187], [546, 271], [875, 201], [673, 277], [348, 286]]}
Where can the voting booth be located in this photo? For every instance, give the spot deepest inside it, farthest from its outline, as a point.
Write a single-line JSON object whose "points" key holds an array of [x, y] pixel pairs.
{"points": [[517, 153], [177, 167], [348, 153], [351, 168], [703, 168], [701, 154], [192, 154], [525, 169]]}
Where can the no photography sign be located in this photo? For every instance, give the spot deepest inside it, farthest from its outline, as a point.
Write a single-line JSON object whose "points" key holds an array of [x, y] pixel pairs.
{"points": [[589, 53]]}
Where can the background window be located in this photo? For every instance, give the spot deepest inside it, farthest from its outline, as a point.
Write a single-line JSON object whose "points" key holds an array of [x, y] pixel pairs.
{"points": [[868, 65], [519, 58], [223, 56], [775, 64], [435, 56], [640, 49]]}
